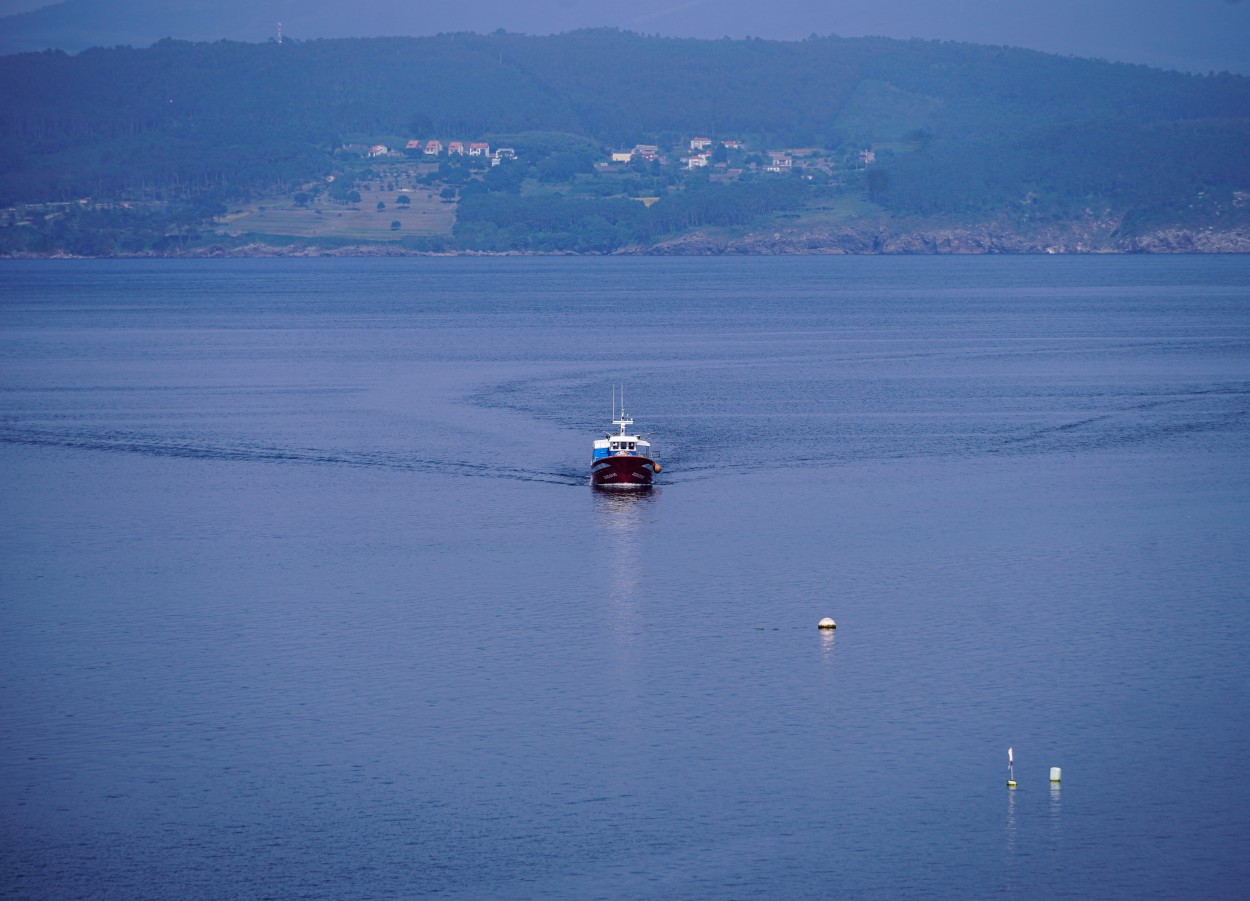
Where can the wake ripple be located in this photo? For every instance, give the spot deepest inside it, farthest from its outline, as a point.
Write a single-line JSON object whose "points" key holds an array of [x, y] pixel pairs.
{"points": [[152, 446]]}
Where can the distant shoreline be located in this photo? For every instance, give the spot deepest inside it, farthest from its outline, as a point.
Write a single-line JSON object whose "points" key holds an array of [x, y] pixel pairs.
{"points": [[848, 241]]}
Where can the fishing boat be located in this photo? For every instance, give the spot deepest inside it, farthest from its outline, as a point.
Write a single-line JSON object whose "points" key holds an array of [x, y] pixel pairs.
{"points": [[623, 460]]}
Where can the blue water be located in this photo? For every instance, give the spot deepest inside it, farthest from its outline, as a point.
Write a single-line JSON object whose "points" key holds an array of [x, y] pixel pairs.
{"points": [[304, 592]]}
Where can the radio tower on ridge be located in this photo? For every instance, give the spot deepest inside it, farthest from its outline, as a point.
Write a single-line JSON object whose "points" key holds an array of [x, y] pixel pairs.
{"points": [[279, 32]]}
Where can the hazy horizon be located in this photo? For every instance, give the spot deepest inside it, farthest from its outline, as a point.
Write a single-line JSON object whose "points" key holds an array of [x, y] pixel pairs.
{"points": [[1192, 35]]}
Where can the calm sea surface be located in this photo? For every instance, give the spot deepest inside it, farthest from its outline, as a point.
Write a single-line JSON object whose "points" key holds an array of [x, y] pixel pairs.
{"points": [[304, 593]]}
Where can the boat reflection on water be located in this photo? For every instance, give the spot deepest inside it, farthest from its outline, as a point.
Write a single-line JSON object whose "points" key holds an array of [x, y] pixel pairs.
{"points": [[623, 510], [621, 519]]}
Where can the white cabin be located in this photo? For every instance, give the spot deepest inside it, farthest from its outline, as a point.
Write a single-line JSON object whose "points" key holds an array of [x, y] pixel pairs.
{"points": [[622, 444]]}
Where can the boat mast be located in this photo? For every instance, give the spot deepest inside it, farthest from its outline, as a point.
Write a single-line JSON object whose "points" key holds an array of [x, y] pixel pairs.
{"points": [[623, 421]]}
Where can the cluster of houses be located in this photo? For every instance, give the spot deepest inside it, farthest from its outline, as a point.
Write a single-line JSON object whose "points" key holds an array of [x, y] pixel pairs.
{"points": [[700, 157], [702, 149], [702, 153], [434, 149]]}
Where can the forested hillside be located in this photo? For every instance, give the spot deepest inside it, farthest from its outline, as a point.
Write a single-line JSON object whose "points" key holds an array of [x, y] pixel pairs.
{"points": [[958, 131]]}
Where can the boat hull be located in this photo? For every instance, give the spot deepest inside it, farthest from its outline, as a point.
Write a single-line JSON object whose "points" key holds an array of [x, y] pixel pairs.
{"points": [[622, 472]]}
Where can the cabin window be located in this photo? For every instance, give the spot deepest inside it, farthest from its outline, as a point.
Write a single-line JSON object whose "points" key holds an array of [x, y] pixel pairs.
{"points": [[631, 445]]}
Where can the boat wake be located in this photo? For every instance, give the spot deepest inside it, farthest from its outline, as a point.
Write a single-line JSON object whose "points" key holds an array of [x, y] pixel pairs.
{"points": [[699, 446], [116, 441], [1121, 425]]}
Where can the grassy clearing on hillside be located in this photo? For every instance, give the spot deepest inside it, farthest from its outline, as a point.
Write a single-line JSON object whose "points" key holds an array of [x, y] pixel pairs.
{"points": [[427, 214], [384, 181]]}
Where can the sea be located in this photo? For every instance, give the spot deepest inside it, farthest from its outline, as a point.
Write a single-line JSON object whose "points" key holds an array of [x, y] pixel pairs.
{"points": [[304, 592]]}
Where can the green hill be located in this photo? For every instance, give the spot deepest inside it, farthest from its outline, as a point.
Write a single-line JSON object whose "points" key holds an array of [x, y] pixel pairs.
{"points": [[181, 132]]}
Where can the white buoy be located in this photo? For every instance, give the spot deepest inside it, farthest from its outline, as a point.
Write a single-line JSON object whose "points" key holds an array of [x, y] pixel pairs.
{"points": [[827, 623], [1011, 769], [1054, 774]]}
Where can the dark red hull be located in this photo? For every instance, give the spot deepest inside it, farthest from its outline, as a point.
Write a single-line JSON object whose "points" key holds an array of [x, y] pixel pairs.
{"points": [[622, 472]]}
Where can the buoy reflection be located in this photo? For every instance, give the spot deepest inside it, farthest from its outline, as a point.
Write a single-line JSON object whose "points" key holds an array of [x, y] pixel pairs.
{"points": [[1056, 809], [1011, 822], [828, 641]]}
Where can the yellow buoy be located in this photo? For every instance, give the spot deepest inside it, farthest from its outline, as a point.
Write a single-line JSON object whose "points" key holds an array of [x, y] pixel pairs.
{"points": [[827, 623]]}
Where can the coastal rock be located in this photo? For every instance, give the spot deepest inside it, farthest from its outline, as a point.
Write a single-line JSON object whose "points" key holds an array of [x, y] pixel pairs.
{"points": [[1205, 240], [1093, 236]]}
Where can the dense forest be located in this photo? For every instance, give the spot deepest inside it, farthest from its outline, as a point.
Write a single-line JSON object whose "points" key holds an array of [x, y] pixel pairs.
{"points": [[159, 140]]}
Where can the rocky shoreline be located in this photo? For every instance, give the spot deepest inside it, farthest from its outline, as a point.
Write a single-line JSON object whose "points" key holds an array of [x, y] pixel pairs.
{"points": [[973, 240], [1098, 238]]}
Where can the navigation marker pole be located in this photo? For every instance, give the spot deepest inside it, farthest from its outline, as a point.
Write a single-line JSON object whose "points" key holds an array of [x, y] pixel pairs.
{"points": [[1011, 770]]}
